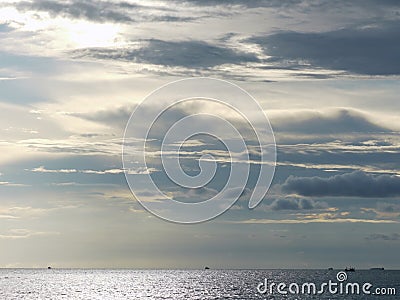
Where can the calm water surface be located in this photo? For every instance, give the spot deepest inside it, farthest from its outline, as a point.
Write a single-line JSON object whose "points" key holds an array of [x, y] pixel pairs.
{"points": [[177, 284]]}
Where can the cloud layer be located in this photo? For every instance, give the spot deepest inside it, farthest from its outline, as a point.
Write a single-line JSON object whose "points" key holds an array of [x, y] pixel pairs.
{"points": [[383, 237], [102, 11]]}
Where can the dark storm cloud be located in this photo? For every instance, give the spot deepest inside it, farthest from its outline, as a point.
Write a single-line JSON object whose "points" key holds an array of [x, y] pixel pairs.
{"points": [[355, 184], [100, 11], [191, 54], [370, 50], [317, 122], [383, 237], [295, 204]]}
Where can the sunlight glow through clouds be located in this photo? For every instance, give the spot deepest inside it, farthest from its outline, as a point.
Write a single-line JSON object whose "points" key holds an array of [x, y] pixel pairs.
{"points": [[62, 33], [87, 34]]}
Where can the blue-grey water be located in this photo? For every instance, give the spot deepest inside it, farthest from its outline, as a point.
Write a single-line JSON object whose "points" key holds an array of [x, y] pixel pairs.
{"points": [[184, 284]]}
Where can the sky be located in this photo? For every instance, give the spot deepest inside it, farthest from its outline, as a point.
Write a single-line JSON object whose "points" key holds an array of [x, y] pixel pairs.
{"points": [[326, 73]]}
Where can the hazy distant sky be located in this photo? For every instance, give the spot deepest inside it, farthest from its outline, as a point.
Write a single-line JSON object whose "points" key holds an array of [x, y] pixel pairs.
{"points": [[325, 72]]}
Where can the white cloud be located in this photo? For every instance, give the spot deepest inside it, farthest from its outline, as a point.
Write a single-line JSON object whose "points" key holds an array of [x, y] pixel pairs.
{"points": [[42, 169], [25, 233], [306, 221]]}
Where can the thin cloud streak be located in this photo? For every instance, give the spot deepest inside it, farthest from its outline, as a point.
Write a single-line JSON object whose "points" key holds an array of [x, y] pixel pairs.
{"points": [[307, 221], [42, 169]]}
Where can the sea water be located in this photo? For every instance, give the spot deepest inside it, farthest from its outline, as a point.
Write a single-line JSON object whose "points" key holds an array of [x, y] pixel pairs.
{"points": [[192, 284]]}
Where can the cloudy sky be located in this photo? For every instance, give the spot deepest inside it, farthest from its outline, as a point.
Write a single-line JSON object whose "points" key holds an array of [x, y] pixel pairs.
{"points": [[325, 72]]}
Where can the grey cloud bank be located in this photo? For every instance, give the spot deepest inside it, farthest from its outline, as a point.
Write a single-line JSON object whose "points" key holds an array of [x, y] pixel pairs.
{"points": [[373, 49], [333, 121], [295, 204], [190, 54], [355, 184]]}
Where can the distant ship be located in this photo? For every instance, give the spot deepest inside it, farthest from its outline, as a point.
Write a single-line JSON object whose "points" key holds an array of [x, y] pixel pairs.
{"points": [[330, 269], [377, 269], [350, 269], [49, 268], [206, 268]]}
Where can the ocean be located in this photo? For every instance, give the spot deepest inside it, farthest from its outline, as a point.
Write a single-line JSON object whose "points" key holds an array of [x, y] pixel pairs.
{"points": [[197, 284]]}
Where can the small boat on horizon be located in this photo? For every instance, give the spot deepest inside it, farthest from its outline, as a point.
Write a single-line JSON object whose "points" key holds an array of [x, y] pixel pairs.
{"points": [[206, 268], [350, 269], [377, 269]]}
